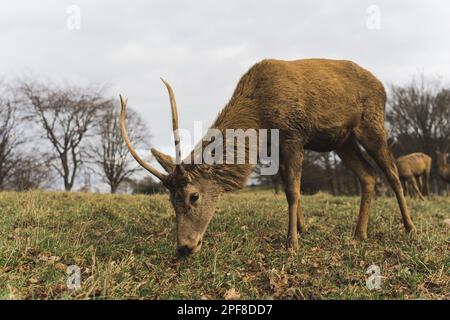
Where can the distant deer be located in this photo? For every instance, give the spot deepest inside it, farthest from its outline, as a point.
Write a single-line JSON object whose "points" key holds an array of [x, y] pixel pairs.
{"points": [[381, 189], [443, 167], [316, 104], [414, 170]]}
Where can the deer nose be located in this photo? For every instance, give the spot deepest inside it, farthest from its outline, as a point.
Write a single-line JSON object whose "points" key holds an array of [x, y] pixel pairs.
{"points": [[184, 251]]}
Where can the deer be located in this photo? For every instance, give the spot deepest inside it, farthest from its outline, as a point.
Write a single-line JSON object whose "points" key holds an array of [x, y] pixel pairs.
{"points": [[443, 166], [315, 104], [414, 171], [381, 189]]}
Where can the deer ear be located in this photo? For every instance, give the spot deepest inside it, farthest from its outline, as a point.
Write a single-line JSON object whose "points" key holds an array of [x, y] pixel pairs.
{"points": [[164, 160]]}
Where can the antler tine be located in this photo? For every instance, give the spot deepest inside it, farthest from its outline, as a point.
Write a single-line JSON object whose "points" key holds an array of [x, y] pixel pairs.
{"points": [[176, 134], [148, 167]]}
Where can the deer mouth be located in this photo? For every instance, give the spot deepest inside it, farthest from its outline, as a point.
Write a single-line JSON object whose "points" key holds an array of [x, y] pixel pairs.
{"points": [[198, 246], [185, 251]]}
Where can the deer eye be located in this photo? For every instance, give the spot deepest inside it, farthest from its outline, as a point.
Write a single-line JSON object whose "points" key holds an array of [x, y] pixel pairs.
{"points": [[194, 197]]}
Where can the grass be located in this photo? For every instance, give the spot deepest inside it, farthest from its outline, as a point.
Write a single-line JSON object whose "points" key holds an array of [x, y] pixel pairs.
{"points": [[125, 248]]}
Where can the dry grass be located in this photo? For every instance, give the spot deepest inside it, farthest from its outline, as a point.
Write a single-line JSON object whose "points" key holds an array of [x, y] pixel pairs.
{"points": [[125, 248]]}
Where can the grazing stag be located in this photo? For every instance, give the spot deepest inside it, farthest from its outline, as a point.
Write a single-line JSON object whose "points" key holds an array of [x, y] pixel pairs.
{"points": [[316, 104], [443, 166], [414, 171]]}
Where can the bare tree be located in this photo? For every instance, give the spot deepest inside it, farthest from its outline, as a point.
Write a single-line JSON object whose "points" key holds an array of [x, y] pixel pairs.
{"points": [[273, 181], [10, 137], [419, 117], [146, 185], [29, 172], [110, 153], [65, 115]]}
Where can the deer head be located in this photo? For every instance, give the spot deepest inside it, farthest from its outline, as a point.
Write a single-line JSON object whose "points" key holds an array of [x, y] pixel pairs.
{"points": [[442, 157], [193, 193]]}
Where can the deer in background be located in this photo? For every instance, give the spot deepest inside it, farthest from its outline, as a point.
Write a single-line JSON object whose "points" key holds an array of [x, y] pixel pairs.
{"points": [[414, 170], [381, 189], [316, 104], [443, 167]]}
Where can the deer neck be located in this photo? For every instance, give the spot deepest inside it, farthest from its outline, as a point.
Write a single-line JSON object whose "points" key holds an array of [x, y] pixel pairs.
{"points": [[238, 114], [444, 168]]}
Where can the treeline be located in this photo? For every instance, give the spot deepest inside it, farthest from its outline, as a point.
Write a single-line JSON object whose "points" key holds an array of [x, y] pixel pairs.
{"points": [[417, 119], [60, 136], [52, 135]]}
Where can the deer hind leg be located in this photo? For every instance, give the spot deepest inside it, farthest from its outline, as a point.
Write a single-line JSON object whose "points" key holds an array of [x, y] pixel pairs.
{"points": [[422, 185], [290, 171], [409, 189], [301, 225], [374, 141], [415, 187], [353, 158], [426, 178], [404, 186], [419, 183]]}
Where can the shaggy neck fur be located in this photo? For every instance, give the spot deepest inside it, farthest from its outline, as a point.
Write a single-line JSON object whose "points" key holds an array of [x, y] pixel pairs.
{"points": [[239, 113]]}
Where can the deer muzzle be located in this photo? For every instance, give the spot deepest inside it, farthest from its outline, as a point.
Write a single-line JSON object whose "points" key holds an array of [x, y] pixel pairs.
{"points": [[186, 248]]}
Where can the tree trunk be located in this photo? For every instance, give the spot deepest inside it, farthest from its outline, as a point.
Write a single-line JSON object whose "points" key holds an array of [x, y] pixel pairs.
{"points": [[330, 175], [338, 182], [113, 188], [67, 184]]}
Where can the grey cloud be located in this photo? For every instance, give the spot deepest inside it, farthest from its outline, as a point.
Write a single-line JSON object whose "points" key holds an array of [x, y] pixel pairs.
{"points": [[203, 47]]}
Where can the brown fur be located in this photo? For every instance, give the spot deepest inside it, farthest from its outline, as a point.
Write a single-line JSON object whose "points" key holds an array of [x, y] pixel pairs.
{"points": [[316, 104], [414, 172], [443, 166]]}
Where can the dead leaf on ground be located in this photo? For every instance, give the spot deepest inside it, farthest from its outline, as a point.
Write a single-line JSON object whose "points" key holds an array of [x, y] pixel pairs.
{"points": [[232, 294], [278, 281], [60, 266], [33, 280]]}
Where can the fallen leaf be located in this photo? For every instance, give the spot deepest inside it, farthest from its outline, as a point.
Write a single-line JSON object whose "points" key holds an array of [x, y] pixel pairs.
{"points": [[60, 266], [53, 259], [447, 223], [22, 268], [278, 282], [232, 294], [6, 269], [33, 280]]}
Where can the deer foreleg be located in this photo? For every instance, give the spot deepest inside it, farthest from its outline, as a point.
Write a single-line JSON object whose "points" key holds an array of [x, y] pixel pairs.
{"points": [[290, 170]]}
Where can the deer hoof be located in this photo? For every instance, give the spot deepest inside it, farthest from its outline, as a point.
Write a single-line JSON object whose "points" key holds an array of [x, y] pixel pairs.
{"points": [[411, 229], [360, 235], [292, 244], [302, 229]]}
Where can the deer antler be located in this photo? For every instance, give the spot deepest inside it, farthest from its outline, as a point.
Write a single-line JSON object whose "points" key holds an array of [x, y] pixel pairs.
{"points": [[176, 134], [156, 173]]}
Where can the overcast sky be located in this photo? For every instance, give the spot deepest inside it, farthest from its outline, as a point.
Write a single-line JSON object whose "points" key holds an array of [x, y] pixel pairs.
{"points": [[203, 47]]}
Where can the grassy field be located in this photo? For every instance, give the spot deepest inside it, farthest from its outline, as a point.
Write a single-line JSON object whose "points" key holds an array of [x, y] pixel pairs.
{"points": [[125, 247]]}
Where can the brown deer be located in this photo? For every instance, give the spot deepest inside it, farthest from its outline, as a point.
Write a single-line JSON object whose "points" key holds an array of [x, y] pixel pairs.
{"points": [[414, 171], [316, 104], [381, 189], [443, 166]]}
